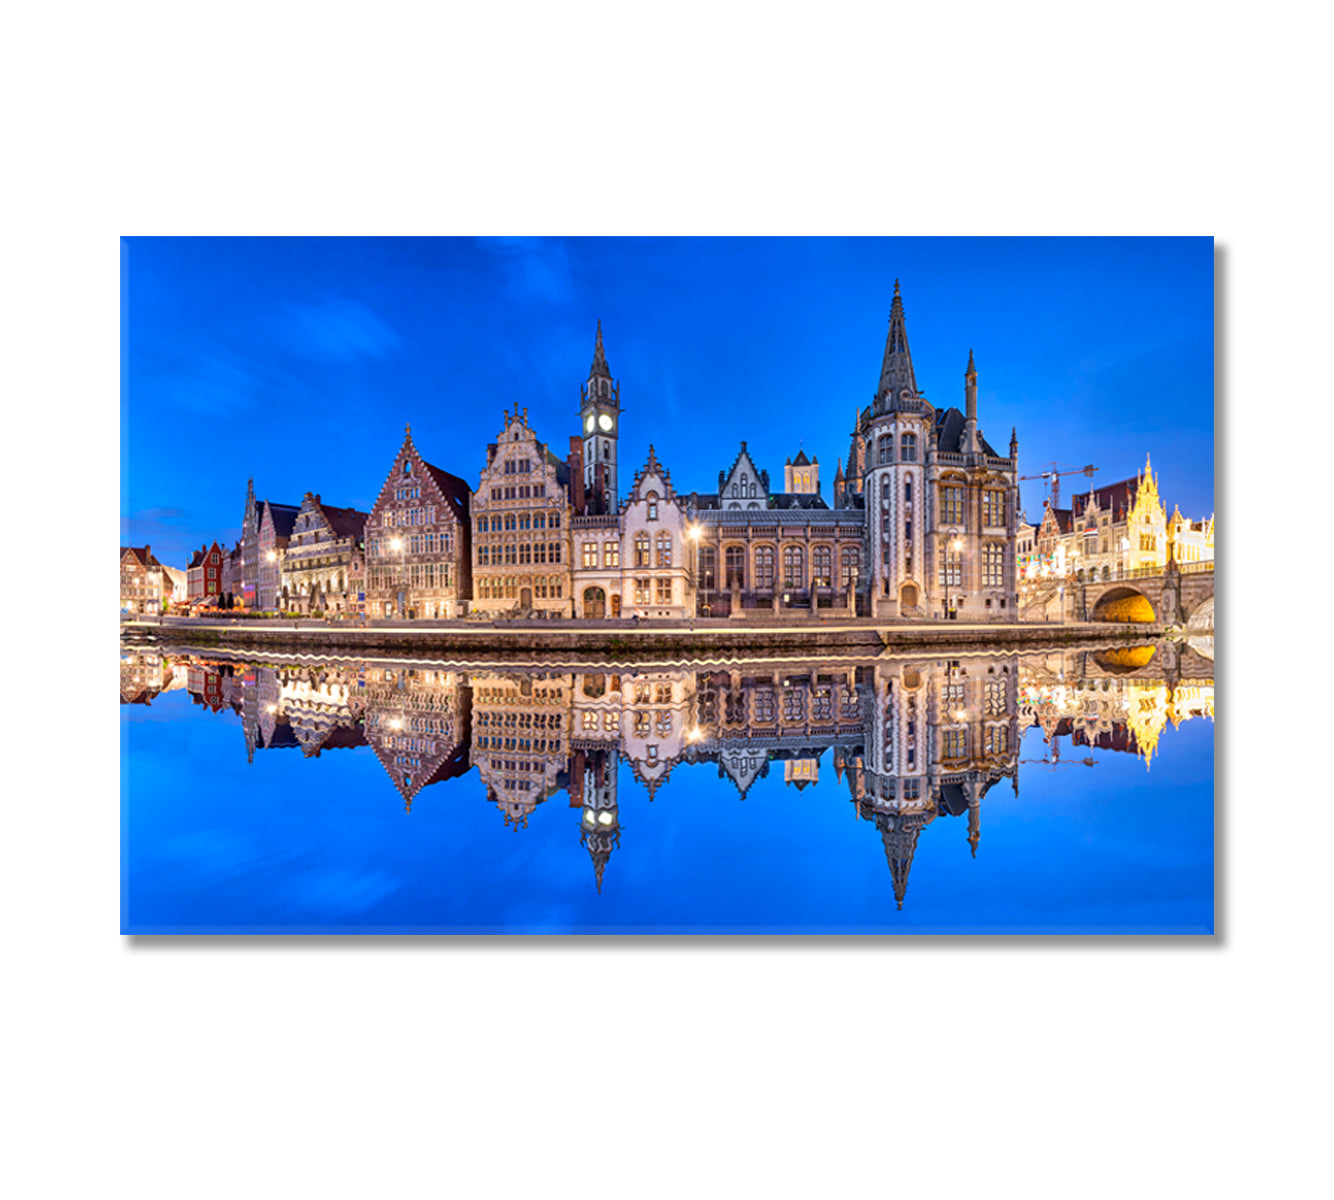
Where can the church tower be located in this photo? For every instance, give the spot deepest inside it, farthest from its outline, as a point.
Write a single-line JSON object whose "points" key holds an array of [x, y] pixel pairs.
{"points": [[600, 421], [897, 440]]}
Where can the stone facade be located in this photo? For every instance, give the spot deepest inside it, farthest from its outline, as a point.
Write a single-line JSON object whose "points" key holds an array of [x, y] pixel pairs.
{"points": [[636, 564], [322, 566], [418, 541], [521, 526], [275, 531], [941, 505], [143, 587]]}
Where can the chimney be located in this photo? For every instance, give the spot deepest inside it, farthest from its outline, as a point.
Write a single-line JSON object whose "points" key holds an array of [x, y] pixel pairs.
{"points": [[577, 770], [575, 462], [600, 488]]}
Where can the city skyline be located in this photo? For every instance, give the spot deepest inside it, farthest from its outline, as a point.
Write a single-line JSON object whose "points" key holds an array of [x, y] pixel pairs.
{"points": [[299, 361]]}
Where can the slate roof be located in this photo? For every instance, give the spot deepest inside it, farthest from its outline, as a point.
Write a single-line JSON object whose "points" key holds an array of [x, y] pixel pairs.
{"points": [[345, 522], [283, 517], [949, 429], [1118, 497], [143, 555], [454, 490]]}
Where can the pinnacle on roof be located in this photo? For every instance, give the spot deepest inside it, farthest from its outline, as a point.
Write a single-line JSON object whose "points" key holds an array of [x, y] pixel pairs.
{"points": [[896, 372], [599, 366], [972, 369]]}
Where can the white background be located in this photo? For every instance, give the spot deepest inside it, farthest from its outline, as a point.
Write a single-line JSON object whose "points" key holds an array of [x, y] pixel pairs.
{"points": [[831, 1068]]}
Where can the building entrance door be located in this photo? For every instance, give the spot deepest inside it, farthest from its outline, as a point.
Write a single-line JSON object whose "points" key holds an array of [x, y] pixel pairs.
{"points": [[616, 605], [595, 603], [525, 597]]}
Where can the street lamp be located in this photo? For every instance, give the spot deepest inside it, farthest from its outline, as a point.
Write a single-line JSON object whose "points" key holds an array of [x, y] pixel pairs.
{"points": [[694, 532], [954, 543]]}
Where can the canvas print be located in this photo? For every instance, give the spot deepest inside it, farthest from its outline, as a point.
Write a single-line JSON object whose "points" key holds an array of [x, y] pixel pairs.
{"points": [[667, 586]]}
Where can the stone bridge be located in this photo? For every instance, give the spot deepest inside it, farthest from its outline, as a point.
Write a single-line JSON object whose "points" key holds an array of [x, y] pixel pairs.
{"points": [[1181, 595]]}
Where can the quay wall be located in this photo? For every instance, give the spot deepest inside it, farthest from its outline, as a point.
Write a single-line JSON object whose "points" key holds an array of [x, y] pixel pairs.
{"points": [[520, 639]]}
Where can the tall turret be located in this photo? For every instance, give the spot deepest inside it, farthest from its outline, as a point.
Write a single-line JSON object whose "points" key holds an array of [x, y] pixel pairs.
{"points": [[896, 372], [970, 407]]}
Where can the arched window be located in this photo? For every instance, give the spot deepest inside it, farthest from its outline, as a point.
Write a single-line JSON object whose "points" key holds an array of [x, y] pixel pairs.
{"points": [[908, 447], [664, 549], [653, 506], [851, 561], [735, 567], [907, 490], [886, 489], [794, 567], [764, 569], [641, 550], [822, 567], [886, 447]]}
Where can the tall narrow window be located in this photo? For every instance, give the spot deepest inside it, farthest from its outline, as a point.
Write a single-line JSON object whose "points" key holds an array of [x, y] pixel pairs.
{"points": [[794, 567], [908, 447], [735, 567], [764, 569], [664, 549], [886, 448]]}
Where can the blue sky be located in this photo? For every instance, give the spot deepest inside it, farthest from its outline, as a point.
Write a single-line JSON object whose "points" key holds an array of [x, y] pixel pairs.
{"points": [[299, 360]]}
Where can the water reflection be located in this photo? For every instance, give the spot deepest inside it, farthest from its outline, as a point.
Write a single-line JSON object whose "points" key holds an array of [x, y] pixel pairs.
{"points": [[914, 740]]}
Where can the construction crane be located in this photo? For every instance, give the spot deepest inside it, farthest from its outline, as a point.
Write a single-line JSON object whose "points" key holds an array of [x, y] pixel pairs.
{"points": [[1054, 476]]}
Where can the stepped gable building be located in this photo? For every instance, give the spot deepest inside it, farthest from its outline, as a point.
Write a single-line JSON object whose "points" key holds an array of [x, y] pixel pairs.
{"points": [[323, 565], [941, 503], [635, 563], [521, 524], [142, 587], [1122, 526], [418, 540]]}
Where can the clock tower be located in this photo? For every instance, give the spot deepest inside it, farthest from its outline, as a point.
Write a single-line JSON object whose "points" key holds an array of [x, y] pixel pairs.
{"points": [[600, 425]]}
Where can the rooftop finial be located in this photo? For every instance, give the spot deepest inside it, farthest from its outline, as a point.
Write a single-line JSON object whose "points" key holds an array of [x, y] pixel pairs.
{"points": [[407, 428]]}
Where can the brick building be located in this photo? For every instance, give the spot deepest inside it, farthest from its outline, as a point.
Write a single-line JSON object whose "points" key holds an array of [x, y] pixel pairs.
{"points": [[418, 541]]}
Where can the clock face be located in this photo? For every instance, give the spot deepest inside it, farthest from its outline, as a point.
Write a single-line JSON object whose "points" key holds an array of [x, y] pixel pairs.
{"points": [[605, 422], [588, 424]]}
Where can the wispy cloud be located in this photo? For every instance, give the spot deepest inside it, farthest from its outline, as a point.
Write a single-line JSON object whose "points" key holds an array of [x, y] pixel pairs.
{"points": [[208, 378], [534, 270], [338, 330]]}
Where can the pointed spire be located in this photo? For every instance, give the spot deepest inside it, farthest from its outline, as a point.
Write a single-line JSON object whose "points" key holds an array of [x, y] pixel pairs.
{"points": [[896, 371], [599, 366]]}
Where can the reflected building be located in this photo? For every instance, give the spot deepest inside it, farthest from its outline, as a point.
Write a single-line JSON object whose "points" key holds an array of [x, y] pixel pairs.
{"points": [[912, 740], [144, 675], [417, 720], [521, 739], [1118, 699]]}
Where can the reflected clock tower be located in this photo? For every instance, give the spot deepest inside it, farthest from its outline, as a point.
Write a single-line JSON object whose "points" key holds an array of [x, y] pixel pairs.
{"points": [[600, 423]]}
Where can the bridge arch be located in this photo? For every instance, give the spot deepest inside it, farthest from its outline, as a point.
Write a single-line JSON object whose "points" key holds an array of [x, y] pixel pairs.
{"points": [[1124, 605]]}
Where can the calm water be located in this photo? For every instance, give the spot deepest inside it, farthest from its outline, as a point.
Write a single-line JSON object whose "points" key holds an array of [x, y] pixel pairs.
{"points": [[1064, 792]]}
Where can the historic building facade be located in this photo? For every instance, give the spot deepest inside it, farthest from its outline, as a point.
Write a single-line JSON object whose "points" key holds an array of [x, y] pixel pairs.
{"points": [[204, 575], [142, 582], [322, 566], [418, 541], [521, 526], [636, 563], [942, 506], [275, 532]]}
